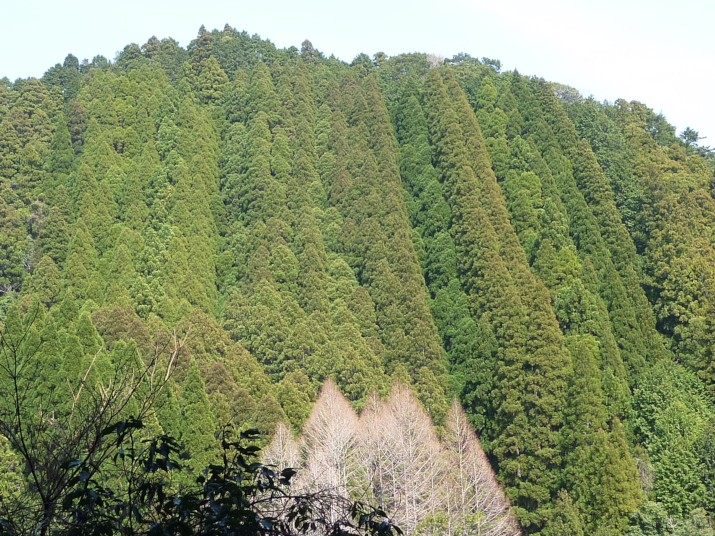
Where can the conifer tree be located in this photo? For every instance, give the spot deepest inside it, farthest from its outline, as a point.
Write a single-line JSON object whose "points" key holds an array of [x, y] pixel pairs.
{"points": [[197, 420], [598, 194], [546, 258], [13, 248], [54, 237], [268, 414], [610, 492], [45, 281], [294, 396], [672, 407], [565, 519], [81, 279], [518, 307], [11, 481]]}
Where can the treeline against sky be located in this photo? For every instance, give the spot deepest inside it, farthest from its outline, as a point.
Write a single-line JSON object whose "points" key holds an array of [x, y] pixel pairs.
{"points": [[288, 219]]}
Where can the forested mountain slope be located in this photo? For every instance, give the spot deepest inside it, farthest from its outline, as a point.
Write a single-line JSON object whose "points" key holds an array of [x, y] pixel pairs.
{"points": [[286, 219]]}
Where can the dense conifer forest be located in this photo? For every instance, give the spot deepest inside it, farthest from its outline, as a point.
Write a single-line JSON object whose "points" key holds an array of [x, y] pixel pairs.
{"points": [[475, 299]]}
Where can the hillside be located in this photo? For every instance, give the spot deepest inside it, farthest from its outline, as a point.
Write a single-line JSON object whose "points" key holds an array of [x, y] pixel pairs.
{"points": [[261, 221]]}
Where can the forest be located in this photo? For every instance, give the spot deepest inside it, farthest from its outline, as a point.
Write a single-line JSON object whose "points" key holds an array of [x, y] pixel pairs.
{"points": [[421, 289]]}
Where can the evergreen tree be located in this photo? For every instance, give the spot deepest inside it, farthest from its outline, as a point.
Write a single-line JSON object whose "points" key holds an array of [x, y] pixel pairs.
{"points": [[11, 481], [13, 248], [197, 420], [517, 306], [55, 237], [81, 279], [45, 281], [565, 519], [61, 155], [284, 220]]}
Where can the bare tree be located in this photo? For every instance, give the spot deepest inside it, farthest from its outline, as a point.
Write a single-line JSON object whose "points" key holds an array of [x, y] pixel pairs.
{"points": [[476, 498], [282, 452], [371, 451], [566, 94], [401, 453], [329, 436], [435, 60], [391, 456]]}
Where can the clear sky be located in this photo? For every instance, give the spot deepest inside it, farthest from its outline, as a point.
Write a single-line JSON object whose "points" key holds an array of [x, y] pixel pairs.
{"points": [[661, 52]]}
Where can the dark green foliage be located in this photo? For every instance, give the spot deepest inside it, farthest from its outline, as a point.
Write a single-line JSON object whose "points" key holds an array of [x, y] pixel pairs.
{"points": [[263, 219], [298, 302], [507, 298]]}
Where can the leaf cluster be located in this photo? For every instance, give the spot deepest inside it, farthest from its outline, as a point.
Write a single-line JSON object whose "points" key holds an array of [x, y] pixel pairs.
{"points": [[238, 495]]}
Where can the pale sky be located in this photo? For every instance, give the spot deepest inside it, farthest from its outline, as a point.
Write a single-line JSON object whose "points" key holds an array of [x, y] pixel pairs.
{"points": [[660, 52]]}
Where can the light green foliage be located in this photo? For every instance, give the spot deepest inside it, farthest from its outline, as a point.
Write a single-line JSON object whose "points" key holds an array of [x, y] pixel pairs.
{"points": [[61, 153], [11, 481], [198, 422], [673, 415], [274, 218], [609, 490], [653, 520], [54, 237], [45, 281], [13, 247], [565, 518]]}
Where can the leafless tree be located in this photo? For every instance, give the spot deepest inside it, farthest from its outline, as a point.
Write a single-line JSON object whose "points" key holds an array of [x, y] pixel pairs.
{"points": [[435, 60], [329, 443], [282, 452], [403, 456], [371, 451], [566, 93], [476, 499], [391, 457]]}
